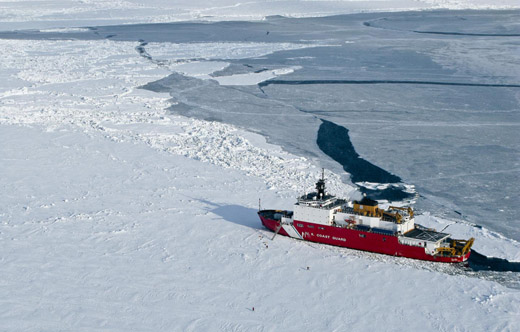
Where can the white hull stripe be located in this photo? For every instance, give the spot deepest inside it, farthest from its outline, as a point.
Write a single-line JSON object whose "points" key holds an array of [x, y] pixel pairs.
{"points": [[289, 229]]}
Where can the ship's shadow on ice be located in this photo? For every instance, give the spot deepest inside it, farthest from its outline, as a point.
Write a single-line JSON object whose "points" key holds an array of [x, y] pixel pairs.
{"points": [[479, 262], [237, 214]]}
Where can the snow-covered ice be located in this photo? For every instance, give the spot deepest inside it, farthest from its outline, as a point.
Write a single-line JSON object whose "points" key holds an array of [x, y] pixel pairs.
{"points": [[116, 214], [101, 234]]}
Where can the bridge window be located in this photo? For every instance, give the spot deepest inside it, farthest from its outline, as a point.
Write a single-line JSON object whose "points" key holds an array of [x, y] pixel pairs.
{"points": [[310, 226], [299, 225], [362, 235]]}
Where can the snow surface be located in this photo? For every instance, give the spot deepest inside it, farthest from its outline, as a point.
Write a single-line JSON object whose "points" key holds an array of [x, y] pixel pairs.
{"points": [[117, 215], [119, 236]]}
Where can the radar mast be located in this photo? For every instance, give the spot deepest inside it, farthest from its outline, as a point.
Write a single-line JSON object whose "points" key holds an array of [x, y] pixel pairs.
{"points": [[320, 185]]}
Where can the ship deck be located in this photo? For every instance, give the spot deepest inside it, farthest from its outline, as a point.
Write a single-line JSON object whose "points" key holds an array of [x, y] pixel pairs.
{"points": [[426, 235]]}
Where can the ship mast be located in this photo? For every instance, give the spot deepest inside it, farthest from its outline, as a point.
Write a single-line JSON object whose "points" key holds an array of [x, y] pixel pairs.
{"points": [[320, 185]]}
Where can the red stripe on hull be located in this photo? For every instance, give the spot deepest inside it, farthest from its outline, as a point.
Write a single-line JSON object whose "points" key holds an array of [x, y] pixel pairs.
{"points": [[361, 240]]}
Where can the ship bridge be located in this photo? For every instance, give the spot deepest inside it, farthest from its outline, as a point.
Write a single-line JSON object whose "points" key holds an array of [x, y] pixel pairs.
{"points": [[325, 202]]}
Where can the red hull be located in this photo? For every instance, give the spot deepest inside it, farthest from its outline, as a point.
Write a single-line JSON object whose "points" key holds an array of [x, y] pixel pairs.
{"points": [[360, 240]]}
